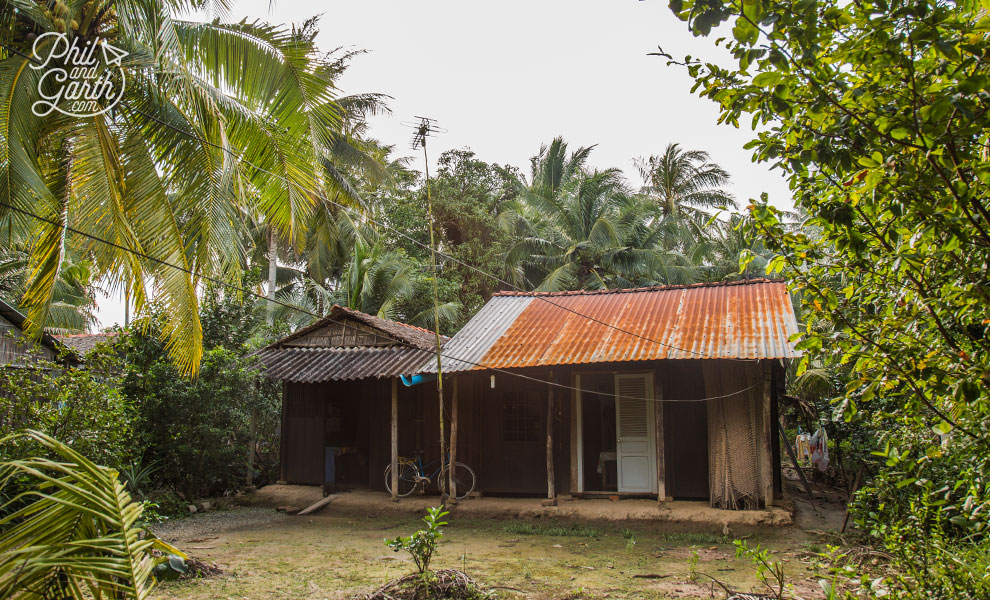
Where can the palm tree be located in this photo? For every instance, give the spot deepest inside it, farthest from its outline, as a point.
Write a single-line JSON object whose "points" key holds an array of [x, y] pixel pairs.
{"points": [[571, 225], [217, 122], [73, 307], [684, 181], [349, 160]]}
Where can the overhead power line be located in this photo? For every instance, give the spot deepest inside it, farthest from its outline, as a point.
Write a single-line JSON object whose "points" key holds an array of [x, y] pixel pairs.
{"points": [[402, 234], [237, 288]]}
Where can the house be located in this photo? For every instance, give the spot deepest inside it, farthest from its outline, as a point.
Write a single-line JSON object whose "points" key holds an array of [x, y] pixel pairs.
{"points": [[17, 349], [668, 392], [339, 376], [84, 343]]}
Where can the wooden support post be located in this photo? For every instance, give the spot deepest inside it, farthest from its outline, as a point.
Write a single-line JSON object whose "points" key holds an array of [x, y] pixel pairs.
{"points": [[252, 446], [395, 439], [575, 399], [283, 458], [453, 447], [551, 484], [768, 427], [661, 465], [852, 491]]}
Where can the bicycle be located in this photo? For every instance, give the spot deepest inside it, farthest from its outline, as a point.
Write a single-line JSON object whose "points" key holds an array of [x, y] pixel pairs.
{"points": [[412, 474]]}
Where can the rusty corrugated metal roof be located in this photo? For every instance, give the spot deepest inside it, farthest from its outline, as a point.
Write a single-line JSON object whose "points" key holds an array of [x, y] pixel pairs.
{"points": [[750, 319]]}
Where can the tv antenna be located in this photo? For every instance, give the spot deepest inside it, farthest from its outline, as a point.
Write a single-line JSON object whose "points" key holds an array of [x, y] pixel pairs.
{"points": [[425, 128]]}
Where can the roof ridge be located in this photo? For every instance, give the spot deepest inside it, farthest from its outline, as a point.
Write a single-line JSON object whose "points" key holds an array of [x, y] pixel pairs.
{"points": [[655, 288], [402, 333], [74, 335]]}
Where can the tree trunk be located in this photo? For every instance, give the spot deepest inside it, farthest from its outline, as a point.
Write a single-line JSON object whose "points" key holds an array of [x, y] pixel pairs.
{"points": [[272, 272]]}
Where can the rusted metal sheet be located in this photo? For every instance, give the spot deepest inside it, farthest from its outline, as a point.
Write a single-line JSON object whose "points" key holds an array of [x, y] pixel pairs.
{"points": [[748, 319]]}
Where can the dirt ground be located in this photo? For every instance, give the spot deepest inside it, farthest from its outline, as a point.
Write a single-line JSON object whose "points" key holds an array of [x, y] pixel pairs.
{"points": [[598, 550]]}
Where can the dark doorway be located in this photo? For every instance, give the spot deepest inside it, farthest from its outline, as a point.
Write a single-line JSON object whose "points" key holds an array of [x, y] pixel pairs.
{"points": [[598, 432], [685, 428], [685, 431], [303, 439]]}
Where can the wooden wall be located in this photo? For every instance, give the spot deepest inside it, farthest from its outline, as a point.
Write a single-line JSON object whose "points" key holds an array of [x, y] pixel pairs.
{"points": [[16, 349], [501, 430]]}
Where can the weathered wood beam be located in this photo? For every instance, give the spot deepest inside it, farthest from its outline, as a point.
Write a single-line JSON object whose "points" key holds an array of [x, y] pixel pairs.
{"points": [[395, 439], [312, 508], [551, 484], [768, 427], [453, 446], [575, 399], [661, 463]]}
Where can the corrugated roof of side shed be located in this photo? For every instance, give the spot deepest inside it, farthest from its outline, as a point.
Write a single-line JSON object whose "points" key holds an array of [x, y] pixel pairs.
{"points": [[347, 345], [751, 319]]}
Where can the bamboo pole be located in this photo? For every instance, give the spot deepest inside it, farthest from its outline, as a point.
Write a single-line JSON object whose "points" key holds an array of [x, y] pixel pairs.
{"points": [[395, 439], [452, 487], [436, 309]]}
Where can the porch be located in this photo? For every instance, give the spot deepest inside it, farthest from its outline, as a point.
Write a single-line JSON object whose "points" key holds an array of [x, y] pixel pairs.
{"points": [[366, 501]]}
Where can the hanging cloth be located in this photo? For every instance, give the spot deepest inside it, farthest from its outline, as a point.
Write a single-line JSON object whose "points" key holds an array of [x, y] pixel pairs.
{"points": [[819, 449]]}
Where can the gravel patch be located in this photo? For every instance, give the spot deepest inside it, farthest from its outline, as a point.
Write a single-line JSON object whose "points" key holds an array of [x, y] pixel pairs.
{"points": [[211, 523]]}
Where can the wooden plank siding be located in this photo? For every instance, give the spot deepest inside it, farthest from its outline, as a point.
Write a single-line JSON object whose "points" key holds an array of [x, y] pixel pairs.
{"points": [[502, 431]]}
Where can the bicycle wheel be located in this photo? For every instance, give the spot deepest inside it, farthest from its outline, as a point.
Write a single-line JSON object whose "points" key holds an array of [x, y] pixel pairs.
{"points": [[408, 479], [464, 480]]}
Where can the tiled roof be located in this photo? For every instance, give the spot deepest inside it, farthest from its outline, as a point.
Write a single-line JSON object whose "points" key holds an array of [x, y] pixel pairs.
{"points": [[361, 346], [83, 343]]}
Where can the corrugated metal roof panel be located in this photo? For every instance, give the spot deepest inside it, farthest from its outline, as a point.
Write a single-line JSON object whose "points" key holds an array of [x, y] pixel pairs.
{"points": [[478, 335], [299, 358], [309, 365], [747, 319]]}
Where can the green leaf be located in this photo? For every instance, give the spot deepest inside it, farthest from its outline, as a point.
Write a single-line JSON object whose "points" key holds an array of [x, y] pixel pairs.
{"points": [[767, 79]]}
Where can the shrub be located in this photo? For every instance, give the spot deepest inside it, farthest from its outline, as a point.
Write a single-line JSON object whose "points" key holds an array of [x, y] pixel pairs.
{"points": [[82, 407], [198, 431]]}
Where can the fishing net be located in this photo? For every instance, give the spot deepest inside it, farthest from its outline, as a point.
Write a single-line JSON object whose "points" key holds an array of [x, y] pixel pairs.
{"points": [[740, 470]]}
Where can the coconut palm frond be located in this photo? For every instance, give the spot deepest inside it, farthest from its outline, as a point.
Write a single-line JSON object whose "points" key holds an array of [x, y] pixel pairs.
{"points": [[79, 535]]}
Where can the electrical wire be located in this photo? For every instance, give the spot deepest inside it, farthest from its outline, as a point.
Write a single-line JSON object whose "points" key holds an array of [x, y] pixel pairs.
{"points": [[402, 234], [372, 220], [230, 286]]}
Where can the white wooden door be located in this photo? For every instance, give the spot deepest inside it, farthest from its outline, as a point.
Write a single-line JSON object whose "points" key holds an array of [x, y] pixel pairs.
{"points": [[634, 433]]}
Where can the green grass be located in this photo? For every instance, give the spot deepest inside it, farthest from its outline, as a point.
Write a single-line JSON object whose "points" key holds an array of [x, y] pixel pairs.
{"points": [[552, 530], [693, 537]]}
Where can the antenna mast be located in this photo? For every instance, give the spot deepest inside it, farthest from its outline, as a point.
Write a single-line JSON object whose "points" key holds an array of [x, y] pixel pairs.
{"points": [[426, 128]]}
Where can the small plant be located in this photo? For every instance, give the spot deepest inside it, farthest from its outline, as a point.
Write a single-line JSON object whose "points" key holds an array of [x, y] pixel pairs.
{"points": [[422, 544], [693, 565], [630, 538], [768, 571], [138, 477]]}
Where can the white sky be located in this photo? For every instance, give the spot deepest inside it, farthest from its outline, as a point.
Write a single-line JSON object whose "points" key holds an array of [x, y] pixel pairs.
{"points": [[505, 77]]}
